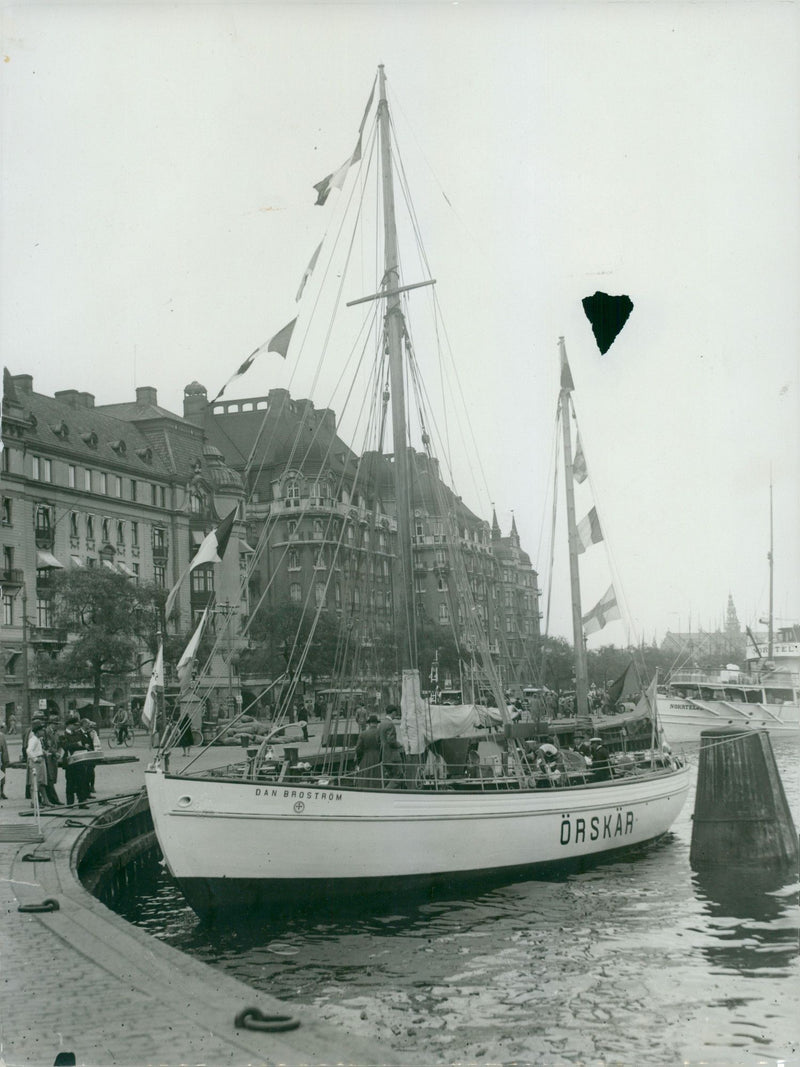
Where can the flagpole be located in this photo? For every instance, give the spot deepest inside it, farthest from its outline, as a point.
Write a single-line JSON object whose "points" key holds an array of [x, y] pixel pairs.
{"points": [[581, 670]]}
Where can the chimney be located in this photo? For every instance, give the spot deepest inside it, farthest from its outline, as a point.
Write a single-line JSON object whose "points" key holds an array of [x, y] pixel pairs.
{"points": [[86, 400], [195, 403], [23, 383], [68, 396], [146, 395]]}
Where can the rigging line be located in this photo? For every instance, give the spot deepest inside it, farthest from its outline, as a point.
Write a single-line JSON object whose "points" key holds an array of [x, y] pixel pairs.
{"points": [[325, 273], [439, 318], [275, 572]]}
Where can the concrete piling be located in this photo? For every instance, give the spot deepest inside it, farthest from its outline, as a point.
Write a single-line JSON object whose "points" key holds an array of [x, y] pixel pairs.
{"points": [[741, 817]]}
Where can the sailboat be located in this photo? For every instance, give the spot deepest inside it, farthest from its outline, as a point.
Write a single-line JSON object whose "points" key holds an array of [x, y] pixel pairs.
{"points": [[765, 695], [268, 830]]}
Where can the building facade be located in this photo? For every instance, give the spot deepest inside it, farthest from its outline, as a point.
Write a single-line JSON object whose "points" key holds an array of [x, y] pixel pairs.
{"points": [[130, 487]]}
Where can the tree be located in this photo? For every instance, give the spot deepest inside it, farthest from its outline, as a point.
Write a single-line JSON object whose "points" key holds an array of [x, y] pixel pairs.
{"points": [[276, 631], [108, 618]]}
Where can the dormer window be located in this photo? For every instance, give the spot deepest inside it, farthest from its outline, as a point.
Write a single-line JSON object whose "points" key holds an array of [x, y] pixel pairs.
{"points": [[89, 437], [61, 430], [145, 454], [119, 447]]}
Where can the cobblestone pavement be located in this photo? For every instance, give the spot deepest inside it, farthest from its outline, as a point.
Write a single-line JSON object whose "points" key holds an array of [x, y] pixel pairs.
{"points": [[82, 980]]}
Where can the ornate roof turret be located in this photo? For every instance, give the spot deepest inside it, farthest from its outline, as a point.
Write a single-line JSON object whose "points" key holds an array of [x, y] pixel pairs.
{"points": [[221, 476], [496, 535]]}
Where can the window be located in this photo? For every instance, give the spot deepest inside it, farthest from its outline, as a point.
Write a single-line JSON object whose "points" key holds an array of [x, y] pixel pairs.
{"points": [[162, 496], [509, 598], [294, 560], [105, 536], [442, 585], [153, 494], [319, 561], [203, 579], [135, 569], [72, 475], [319, 530], [160, 575], [291, 526], [87, 481], [90, 527], [319, 594], [91, 561], [121, 534], [419, 530], [159, 539], [444, 615], [351, 534], [104, 483], [44, 613], [135, 534], [438, 532], [509, 624], [356, 598], [74, 530], [292, 494], [388, 600], [6, 511], [366, 538], [117, 485], [419, 584], [8, 558], [134, 488], [6, 464], [43, 519], [295, 593], [337, 595], [42, 469], [8, 610]]}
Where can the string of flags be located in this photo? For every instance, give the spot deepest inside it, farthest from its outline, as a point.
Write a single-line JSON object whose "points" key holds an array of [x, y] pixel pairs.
{"points": [[279, 343], [211, 550]]}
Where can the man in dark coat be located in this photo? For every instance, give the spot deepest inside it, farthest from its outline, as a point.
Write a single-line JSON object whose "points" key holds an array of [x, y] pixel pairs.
{"points": [[74, 741], [368, 754], [392, 754]]}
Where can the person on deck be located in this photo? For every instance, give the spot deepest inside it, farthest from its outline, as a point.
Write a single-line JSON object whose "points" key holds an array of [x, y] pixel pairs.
{"points": [[186, 738], [601, 767], [121, 724], [392, 754], [368, 753]]}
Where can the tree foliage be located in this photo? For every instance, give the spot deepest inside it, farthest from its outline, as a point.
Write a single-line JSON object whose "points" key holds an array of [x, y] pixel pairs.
{"points": [[108, 619]]}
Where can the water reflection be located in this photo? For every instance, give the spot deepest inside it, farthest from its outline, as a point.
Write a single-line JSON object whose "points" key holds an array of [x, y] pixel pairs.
{"points": [[752, 916]]}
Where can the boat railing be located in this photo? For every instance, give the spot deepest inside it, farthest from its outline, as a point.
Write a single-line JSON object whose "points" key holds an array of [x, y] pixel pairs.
{"points": [[721, 678]]}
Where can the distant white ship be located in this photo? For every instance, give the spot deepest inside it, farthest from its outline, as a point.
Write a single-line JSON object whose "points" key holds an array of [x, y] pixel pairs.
{"points": [[764, 696]]}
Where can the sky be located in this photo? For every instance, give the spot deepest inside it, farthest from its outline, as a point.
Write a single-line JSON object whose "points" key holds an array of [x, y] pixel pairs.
{"points": [[158, 212]]}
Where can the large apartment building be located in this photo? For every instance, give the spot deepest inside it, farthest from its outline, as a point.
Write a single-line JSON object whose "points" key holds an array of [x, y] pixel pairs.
{"points": [[130, 487]]}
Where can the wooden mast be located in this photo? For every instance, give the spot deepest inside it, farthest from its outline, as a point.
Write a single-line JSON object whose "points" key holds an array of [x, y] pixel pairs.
{"points": [[771, 632], [581, 671], [395, 328]]}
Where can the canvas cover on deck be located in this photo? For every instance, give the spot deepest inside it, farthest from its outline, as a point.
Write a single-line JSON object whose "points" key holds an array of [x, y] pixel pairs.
{"points": [[422, 723]]}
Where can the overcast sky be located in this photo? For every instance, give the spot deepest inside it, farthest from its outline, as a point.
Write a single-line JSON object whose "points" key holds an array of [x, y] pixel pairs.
{"points": [[157, 214]]}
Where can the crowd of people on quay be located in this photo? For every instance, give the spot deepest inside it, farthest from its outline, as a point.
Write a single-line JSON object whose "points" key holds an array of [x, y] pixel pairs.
{"points": [[49, 748]]}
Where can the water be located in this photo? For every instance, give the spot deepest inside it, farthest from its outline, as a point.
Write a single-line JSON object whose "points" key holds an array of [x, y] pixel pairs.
{"points": [[636, 961]]}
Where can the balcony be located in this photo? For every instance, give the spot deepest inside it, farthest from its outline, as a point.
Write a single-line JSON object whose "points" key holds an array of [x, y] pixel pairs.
{"points": [[44, 536], [11, 577], [49, 635]]}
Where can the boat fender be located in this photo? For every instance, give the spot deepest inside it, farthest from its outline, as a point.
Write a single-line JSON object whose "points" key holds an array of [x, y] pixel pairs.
{"points": [[255, 1019], [46, 905]]}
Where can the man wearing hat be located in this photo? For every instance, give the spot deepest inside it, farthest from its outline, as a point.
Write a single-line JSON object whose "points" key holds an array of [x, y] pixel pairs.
{"points": [[74, 741], [392, 753], [368, 754], [601, 767]]}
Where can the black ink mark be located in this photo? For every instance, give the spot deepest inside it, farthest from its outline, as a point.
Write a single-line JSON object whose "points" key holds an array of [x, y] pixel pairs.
{"points": [[607, 315]]}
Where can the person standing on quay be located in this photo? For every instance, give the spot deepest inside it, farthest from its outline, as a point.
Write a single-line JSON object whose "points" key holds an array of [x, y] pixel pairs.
{"points": [[5, 760], [50, 744], [37, 769], [73, 742]]}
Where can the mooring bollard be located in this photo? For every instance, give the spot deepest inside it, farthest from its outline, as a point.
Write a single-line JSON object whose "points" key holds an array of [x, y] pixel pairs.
{"points": [[741, 817]]}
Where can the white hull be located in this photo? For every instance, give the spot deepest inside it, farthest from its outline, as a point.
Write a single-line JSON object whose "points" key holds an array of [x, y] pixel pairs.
{"points": [[684, 719], [221, 835]]}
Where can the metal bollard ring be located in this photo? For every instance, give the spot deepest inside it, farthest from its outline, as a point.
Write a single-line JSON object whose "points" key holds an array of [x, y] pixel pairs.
{"points": [[73, 822], [50, 904], [34, 857], [255, 1019]]}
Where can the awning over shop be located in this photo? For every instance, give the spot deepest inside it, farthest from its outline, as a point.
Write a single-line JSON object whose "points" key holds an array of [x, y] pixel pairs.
{"points": [[123, 568], [110, 565], [47, 561], [244, 547], [77, 561]]}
